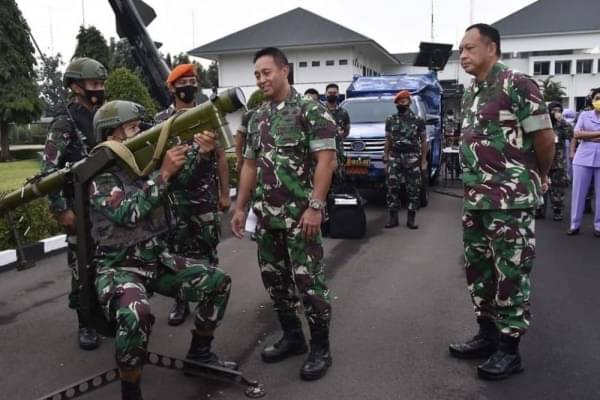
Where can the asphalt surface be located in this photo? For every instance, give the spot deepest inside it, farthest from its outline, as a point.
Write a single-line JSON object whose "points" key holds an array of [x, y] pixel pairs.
{"points": [[399, 298]]}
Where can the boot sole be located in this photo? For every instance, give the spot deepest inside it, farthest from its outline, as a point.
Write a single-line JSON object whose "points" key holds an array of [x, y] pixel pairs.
{"points": [[272, 360], [314, 377], [498, 377], [89, 347]]}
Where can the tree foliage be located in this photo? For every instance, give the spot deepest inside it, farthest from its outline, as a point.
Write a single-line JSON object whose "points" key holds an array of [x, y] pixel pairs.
{"points": [[19, 93], [53, 92], [122, 84], [553, 90], [91, 43]]}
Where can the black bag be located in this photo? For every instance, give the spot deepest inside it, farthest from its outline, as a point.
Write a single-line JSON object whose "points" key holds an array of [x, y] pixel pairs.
{"points": [[346, 210]]}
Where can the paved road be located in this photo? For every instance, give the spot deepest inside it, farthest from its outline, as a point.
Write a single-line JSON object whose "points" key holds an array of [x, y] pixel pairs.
{"points": [[399, 299]]}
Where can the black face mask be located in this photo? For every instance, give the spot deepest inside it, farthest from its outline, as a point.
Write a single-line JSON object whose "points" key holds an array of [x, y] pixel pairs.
{"points": [[95, 97], [401, 108], [332, 99], [187, 94]]}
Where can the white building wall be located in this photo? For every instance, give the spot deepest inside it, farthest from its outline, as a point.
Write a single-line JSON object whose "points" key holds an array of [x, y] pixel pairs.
{"points": [[565, 41]]}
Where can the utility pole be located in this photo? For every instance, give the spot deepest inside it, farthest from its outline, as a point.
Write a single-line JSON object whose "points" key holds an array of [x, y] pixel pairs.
{"points": [[83, 13], [432, 36]]}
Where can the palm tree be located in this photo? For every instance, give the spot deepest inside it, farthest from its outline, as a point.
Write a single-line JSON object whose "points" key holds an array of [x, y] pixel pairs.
{"points": [[553, 90]]}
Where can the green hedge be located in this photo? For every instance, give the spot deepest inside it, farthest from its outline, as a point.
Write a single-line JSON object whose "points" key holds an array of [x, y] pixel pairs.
{"points": [[35, 219]]}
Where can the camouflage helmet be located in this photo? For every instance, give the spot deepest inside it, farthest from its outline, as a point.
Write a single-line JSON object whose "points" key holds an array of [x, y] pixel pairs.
{"points": [[114, 114], [83, 68]]}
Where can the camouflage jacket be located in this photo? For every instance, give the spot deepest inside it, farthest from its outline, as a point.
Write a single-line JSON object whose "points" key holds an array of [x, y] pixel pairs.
{"points": [[283, 138], [194, 189], [342, 120], [500, 116], [564, 132], [243, 129], [128, 208], [69, 140], [404, 132]]}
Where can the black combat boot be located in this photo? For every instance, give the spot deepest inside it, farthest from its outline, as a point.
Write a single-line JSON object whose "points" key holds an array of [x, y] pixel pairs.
{"points": [[131, 390], [200, 351], [410, 220], [179, 312], [88, 338], [292, 343], [319, 359], [130, 383], [482, 345], [558, 214], [392, 221], [504, 362]]}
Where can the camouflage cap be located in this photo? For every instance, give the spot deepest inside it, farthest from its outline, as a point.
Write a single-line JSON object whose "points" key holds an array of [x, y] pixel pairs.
{"points": [[83, 68], [114, 114]]}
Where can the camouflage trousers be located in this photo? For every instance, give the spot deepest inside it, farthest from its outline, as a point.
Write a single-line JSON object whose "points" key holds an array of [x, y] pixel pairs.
{"points": [[74, 301], [404, 168], [559, 182], [124, 297], [292, 266], [197, 236], [499, 252]]}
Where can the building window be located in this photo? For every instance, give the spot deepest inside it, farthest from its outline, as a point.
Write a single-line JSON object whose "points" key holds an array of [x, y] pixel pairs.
{"points": [[343, 62], [316, 63], [562, 67], [291, 74], [584, 66], [329, 63], [302, 64], [541, 68], [579, 103]]}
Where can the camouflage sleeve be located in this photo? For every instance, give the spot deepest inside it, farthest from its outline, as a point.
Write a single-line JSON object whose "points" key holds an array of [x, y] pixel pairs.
{"points": [[388, 129], [567, 130], [346, 117], [420, 125], [107, 196], [53, 158], [251, 139], [528, 104], [191, 161], [321, 127]]}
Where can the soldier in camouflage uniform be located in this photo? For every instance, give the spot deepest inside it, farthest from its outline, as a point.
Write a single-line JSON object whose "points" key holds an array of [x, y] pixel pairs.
{"points": [[70, 138], [342, 120], [131, 260], [405, 156], [290, 162], [559, 180], [241, 139], [198, 192], [506, 150]]}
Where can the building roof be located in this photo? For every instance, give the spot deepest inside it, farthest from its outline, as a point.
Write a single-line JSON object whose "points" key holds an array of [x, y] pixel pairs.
{"points": [[295, 28], [552, 16]]}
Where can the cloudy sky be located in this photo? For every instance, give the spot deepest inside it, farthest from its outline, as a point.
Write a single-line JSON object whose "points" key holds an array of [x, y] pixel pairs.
{"points": [[181, 25]]}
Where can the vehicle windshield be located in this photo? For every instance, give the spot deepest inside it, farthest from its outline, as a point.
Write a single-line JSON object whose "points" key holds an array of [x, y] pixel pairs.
{"points": [[375, 111]]}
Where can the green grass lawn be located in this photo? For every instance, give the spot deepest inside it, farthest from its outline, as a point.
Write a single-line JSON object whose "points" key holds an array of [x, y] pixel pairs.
{"points": [[14, 173]]}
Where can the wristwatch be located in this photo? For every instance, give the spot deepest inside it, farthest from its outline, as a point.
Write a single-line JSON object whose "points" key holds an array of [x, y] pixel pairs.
{"points": [[316, 204]]}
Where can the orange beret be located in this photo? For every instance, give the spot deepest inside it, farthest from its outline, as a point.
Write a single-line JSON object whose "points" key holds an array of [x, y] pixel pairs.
{"points": [[180, 71], [403, 94]]}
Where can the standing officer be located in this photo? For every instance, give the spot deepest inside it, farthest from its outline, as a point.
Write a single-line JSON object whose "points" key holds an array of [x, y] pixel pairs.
{"points": [[405, 153], [559, 180], [342, 120], [128, 221], [197, 200], [290, 162], [70, 138], [506, 150]]}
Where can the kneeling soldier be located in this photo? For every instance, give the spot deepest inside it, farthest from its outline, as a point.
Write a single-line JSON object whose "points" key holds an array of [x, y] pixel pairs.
{"points": [[131, 258]]}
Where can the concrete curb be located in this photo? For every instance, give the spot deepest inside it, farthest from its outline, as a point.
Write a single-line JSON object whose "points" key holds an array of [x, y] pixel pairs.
{"points": [[33, 251]]}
